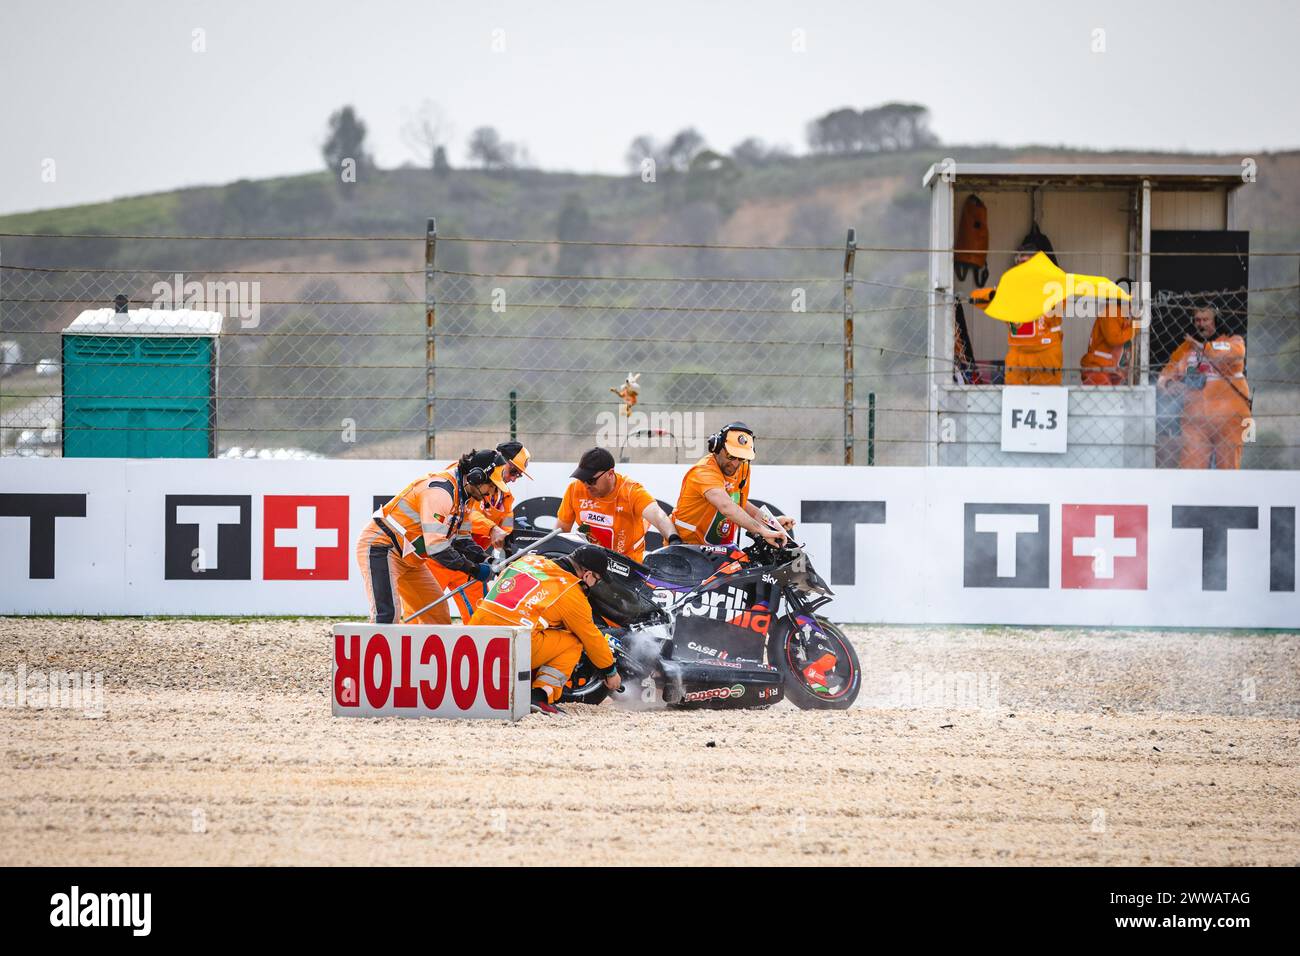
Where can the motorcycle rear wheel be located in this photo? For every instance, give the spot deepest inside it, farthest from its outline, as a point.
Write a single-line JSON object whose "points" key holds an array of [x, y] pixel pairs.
{"points": [[786, 649]]}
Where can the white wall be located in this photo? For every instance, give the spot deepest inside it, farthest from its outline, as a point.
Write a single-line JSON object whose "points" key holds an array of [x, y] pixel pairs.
{"points": [[1188, 209], [930, 558]]}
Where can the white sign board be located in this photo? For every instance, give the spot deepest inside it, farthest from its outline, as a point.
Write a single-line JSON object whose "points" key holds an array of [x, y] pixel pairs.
{"points": [[1034, 418], [421, 671], [1060, 546]]}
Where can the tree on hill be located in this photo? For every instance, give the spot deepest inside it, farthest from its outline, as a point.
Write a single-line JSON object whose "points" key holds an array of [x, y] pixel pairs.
{"points": [[490, 151], [426, 134], [683, 148], [887, 128], [639, 150], [673, 156], [754, 152], [346, 141], [709, 179]]}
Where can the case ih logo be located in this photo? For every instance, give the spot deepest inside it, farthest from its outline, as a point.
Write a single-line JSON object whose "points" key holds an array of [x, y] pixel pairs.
{"points": [[1104, 546], [305, 537]]}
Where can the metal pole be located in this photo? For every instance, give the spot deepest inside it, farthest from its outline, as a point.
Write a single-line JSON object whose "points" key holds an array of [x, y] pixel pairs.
{"points": [[871, 428], [430, 342], [514, 415], [850, 250], [1143, 359], [2, 378]]}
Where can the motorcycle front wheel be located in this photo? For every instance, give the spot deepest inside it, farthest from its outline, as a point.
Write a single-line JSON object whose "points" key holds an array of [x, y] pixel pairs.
{"points": [[585, 685], [794, 649]]}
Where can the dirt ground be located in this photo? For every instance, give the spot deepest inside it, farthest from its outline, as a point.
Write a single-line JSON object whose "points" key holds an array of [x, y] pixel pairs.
{"points": [[967, 746]]}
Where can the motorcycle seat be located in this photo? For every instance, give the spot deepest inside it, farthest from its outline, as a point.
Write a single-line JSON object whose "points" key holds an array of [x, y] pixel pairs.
{"points": [[683, 563]]}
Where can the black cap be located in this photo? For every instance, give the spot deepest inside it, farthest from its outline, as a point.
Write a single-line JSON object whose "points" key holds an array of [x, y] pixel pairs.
{"points": [[590, 558], [592, 463], [509, 449]]}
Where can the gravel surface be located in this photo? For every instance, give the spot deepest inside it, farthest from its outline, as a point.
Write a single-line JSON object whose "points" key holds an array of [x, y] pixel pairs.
{"points": [[968, 745]]}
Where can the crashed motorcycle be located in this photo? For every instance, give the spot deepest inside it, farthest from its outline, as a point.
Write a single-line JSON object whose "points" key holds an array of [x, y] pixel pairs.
{"points": [[713, 627]]}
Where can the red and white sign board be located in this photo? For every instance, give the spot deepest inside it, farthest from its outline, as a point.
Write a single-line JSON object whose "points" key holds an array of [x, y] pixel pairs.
{"points": [[391, 670]]}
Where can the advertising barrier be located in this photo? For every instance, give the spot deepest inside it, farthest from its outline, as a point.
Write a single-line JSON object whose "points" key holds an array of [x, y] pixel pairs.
{"points": [[418, 671], [897, 545]]}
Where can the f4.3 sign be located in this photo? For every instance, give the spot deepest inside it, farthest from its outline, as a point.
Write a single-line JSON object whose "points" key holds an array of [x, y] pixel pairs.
{"points": [[1034, 418]]}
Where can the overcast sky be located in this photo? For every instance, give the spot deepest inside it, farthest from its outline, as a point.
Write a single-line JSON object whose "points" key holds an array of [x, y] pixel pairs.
{"points": [[115, 94]]}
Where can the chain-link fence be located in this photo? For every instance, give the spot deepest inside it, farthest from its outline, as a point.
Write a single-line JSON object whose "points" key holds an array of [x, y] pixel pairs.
{"points": [[426, 346], [1183, 380], [760, 338], [310, 361]]}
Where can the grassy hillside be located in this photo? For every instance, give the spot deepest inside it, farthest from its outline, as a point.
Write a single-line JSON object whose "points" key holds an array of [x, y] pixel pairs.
{"points": [[803, 200], [334, 348]]}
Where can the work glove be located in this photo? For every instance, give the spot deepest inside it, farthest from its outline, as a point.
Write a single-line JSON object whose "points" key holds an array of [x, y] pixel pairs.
{"points": [[484, 571], [471, 551]]}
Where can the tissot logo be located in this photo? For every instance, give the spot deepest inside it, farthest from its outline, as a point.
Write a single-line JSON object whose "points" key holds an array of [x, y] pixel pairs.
{"points": [[1104, 546], [1005, 546], [40, 512], [304, 537], [208, 537]]}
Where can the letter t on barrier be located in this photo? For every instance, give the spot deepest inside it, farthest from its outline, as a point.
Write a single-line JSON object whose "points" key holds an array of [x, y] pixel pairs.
{"points": [[1215, 521], [41, 510], [844, 518]]}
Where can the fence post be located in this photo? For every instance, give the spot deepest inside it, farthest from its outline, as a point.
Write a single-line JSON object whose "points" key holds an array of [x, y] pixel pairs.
{"points": [[2, 378], [850, 250], [871, 428], [514, 415], [430, 342]]}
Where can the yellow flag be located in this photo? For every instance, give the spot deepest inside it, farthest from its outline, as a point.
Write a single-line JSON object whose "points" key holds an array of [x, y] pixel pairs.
{"points": [[1036, 287]]}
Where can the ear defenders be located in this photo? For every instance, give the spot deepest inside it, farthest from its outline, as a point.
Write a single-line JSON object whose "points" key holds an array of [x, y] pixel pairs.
{"points": [[717, 440], [481, 466]]}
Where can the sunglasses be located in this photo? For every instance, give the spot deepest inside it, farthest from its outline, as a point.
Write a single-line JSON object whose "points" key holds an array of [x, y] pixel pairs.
{"points": [[592, 481]]}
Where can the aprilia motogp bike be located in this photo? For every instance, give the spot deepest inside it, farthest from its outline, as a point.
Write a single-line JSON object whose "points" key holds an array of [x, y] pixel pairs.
{"points": [[714, 627]]}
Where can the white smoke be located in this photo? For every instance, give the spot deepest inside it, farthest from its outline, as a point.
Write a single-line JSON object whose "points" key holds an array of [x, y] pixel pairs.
{"points": [[643, 649]]}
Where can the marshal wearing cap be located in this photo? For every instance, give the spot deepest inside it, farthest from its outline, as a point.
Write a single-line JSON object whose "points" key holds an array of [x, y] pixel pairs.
{"points": [[737, 438], [517, 457], [588, 557]]}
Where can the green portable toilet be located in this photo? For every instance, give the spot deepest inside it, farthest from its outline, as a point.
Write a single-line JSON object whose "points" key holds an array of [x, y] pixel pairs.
{"points": [[140, 384]]}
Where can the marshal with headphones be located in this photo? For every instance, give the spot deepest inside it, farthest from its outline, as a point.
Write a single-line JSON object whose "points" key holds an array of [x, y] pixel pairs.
{"points": [[717, 441]]}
